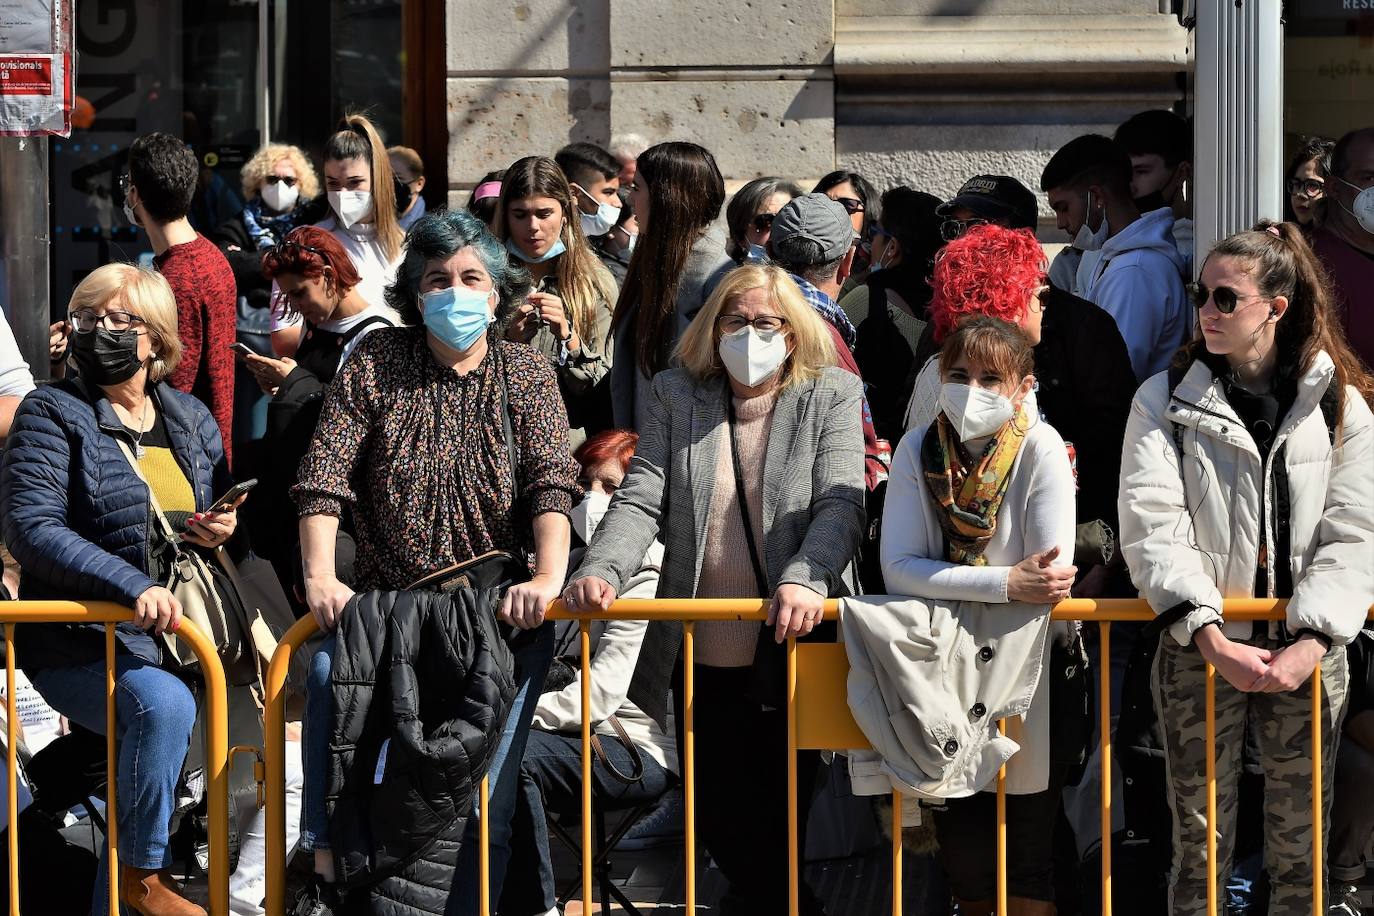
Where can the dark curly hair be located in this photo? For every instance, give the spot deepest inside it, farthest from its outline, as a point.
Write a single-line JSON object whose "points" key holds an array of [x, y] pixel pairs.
{"points": [[164, 171], [989, 270]]}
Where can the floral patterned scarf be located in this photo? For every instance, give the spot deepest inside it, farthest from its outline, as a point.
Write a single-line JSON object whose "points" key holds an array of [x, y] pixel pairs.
{"points": [[969, 492]]}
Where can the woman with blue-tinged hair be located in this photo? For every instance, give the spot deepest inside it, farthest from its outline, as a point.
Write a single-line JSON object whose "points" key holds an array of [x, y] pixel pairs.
{"points": [[411, 443]]}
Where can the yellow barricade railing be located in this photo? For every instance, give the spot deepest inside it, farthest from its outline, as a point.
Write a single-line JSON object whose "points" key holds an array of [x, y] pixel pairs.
{"points": [[838, 732], [14, 613]]}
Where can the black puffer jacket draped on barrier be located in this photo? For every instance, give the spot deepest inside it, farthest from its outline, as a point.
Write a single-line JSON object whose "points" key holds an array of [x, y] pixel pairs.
{"points": [[422, 684]]}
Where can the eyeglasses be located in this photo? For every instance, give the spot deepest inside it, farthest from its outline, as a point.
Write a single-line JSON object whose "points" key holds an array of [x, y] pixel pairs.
{"points": [[764, 324], [851, 205], [952, 229], [1225, 298], [1306, 187], [273, 179], [763, 222], [85, 320]]}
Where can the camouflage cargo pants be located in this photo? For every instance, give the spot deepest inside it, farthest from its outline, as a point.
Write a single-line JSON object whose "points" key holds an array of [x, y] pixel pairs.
{"points": [[1280, 725]]}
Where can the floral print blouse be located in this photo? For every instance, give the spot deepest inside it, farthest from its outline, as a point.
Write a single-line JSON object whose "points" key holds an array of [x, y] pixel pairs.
{"points": [[417, 453]]}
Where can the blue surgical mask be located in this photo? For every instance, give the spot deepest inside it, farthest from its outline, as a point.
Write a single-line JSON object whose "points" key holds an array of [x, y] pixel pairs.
{"points": [[757, 255], [603, 220], [554, 251], [457, 316]]}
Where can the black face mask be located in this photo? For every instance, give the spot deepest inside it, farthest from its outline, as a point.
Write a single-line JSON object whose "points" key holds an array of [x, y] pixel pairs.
{"points": [[1150, 202], [106, 357]]}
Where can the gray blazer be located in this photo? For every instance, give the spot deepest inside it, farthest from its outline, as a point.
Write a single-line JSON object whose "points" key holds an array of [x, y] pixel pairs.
{"points": [[813, 486]]}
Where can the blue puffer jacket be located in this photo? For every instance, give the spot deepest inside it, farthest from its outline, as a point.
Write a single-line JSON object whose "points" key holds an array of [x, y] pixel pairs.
{"points": [[77, 517]]}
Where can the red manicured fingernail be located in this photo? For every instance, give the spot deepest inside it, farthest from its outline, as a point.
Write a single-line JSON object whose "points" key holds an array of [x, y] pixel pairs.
{"points": [[175, 625]]}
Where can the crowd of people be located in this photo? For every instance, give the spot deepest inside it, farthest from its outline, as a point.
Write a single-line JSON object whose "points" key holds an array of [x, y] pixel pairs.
{"points": [[599, 380]]}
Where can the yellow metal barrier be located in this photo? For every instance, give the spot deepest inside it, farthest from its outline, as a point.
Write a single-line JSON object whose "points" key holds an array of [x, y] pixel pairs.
{"points": [[815, 721], [13, 613]]}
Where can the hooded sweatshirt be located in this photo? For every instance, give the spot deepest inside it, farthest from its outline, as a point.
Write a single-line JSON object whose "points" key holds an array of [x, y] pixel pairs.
{"points": [[1138, 280]]}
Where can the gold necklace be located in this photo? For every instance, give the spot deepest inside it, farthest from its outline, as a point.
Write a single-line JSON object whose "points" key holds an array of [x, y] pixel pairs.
{"points": [[139, 450]]}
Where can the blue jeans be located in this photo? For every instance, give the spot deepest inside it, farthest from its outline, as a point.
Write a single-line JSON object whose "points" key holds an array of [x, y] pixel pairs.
{"points": [[154, 715], [551, 781], [531, 666], [317, 727]]}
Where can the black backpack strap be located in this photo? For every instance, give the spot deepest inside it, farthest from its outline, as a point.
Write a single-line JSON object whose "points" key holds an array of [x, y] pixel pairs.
{"points": [[507, 429], [363, 325], [1175, 377], [1330, 409]]}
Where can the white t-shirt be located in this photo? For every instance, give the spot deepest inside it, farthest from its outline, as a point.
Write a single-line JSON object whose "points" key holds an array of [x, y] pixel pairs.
{"points": [[15, 378], [344, 325], [374, 270]]}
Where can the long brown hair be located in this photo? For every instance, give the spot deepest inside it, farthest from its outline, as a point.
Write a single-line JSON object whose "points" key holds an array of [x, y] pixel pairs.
{"points": [[686, 192], [358, 139], [1284, 265], [583, 282]]}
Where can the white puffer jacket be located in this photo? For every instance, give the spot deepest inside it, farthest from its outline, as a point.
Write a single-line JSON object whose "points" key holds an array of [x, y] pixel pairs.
{"points": [[1204, 546]]}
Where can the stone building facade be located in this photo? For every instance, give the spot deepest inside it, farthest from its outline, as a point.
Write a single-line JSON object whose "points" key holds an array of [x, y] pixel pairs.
{"points": [[922, 92]]}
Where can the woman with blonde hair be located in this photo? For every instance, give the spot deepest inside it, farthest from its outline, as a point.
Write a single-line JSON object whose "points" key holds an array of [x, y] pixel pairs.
{"points": [[753, 448], [281, 190], [92, 460], [568, 318]]}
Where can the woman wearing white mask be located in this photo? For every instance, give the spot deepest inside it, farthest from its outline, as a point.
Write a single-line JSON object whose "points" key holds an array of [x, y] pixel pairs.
{"points": [[980, 507], [636, 757], [568, 319], [412, 444], [752, 449], [362, 201]]}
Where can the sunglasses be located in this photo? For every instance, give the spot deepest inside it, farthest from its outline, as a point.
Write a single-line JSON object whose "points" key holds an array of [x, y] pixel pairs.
{"points": [[1223, 297], [952, 229], [851, 205], [289, 246], [273, 179], [763, 222], [1306, 187]]}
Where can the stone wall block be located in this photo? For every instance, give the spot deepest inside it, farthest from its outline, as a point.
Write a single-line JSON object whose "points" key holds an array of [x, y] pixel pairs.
{"points": [[551, 37], [708, 33], [753, 127], [493, 122]]}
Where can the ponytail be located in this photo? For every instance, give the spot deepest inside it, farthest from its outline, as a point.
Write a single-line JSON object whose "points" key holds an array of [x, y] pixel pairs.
{"points": [[1284, 265], [358, 139]]}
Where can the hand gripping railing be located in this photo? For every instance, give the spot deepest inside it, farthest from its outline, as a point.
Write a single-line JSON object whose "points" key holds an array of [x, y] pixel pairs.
{"points": [[837, 732], [13, 613]]}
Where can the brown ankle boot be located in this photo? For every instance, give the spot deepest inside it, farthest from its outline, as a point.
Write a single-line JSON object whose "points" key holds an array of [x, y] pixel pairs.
{"points": [[154, 893], [1024, 906]]}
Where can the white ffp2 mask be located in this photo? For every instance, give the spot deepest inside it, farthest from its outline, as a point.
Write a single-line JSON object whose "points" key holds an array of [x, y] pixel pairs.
{"points": [[752, 357], [351, 206], [587, 514], [974, 412]]}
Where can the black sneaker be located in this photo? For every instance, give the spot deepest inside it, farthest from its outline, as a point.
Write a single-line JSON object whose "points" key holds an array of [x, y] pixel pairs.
{"points": [[318, 898]]}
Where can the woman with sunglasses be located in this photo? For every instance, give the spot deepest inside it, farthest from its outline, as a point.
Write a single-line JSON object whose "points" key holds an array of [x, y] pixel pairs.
{"points": [[91, 459], [1305, 182], [1246, 473], [749, 217], [860, 201], [568, 316], [750, 471]]}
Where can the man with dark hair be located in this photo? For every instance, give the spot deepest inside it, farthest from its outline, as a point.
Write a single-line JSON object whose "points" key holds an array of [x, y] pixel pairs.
{"points": [[1345, 240], [592, 172], [1160, 144], [1134, 271], [813, 238], [157, 195]]}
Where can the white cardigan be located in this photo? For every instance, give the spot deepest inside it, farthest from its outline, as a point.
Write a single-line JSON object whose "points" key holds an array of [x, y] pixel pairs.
{"points": [[1037, 513], [1200, 543]]}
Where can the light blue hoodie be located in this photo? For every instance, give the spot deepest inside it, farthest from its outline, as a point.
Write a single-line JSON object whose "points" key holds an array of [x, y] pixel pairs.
{"points": [[1138, 280]]}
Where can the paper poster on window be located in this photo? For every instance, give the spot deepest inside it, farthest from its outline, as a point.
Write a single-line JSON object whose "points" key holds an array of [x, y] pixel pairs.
{"points": [[36, 74]]}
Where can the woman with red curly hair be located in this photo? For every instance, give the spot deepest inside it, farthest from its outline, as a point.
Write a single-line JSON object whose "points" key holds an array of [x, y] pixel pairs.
{"points": [[1084, 382]]}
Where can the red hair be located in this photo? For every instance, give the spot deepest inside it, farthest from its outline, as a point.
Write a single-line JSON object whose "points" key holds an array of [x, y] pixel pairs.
{"points": [[989, 270], [609, 444], [312, 251]]}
